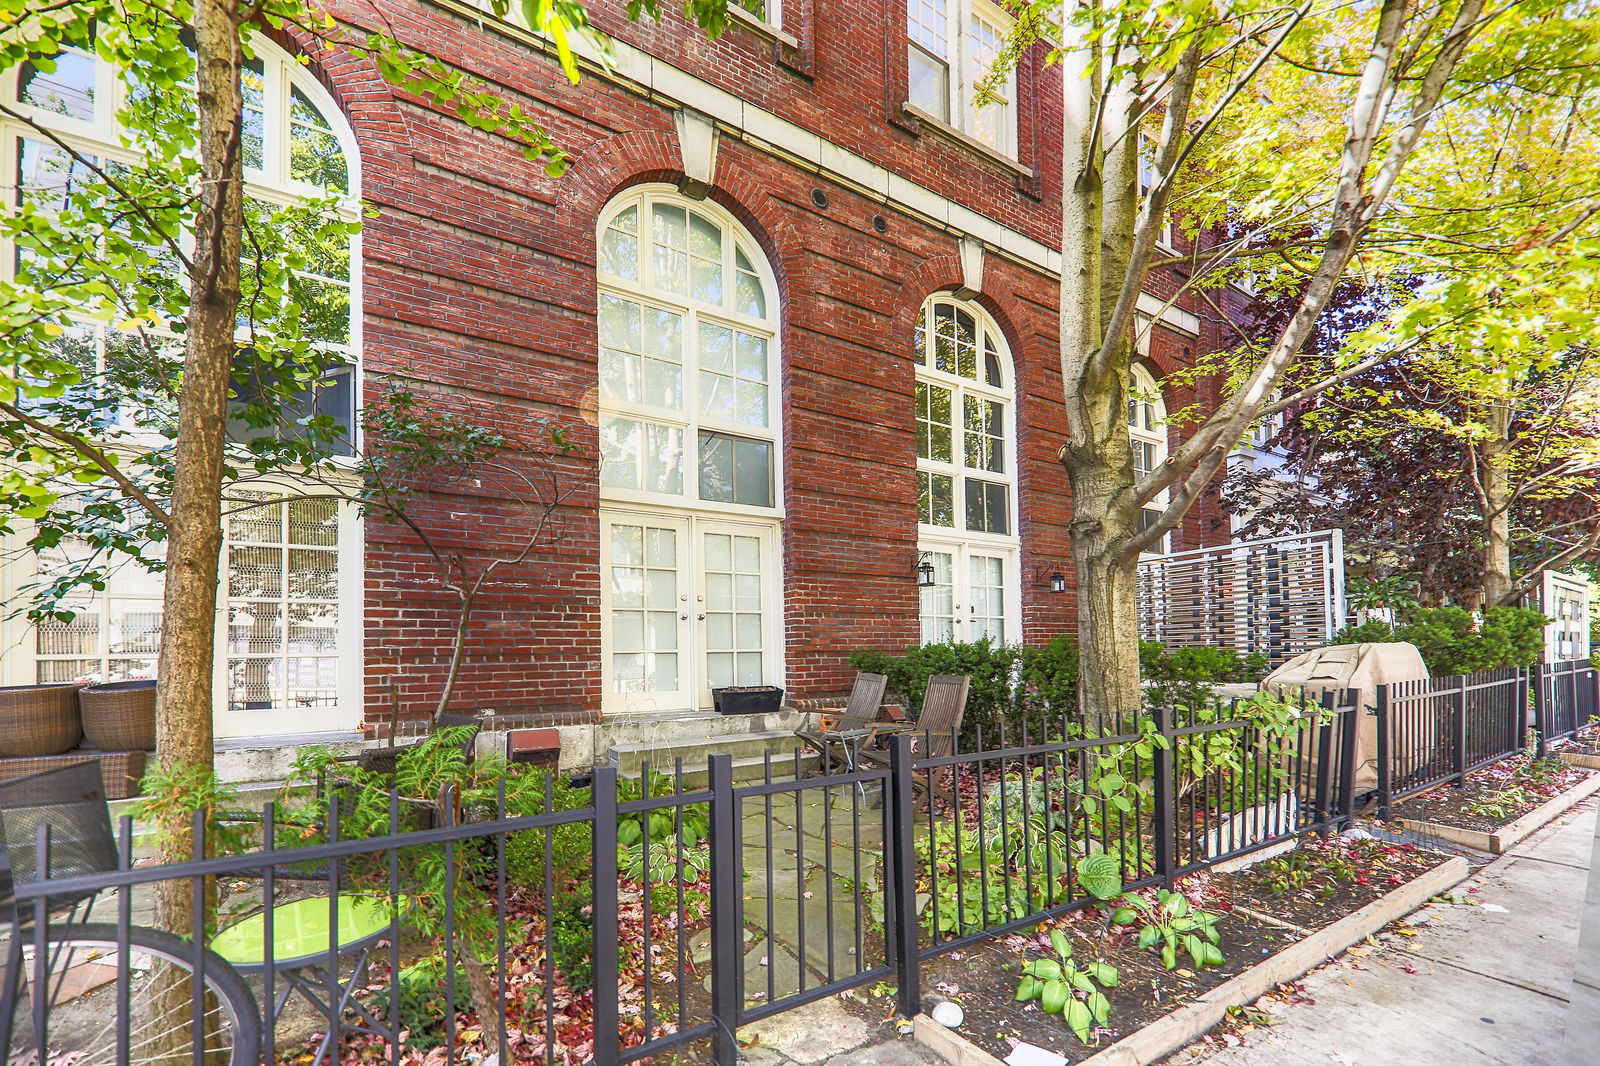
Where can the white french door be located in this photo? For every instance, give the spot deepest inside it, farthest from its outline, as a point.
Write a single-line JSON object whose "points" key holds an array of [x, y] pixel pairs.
{"points": [[689, 604], [974, 595]]}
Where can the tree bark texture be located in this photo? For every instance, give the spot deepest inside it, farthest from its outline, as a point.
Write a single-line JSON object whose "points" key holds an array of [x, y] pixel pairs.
{"points": [[1495, 493], [189, 608]]}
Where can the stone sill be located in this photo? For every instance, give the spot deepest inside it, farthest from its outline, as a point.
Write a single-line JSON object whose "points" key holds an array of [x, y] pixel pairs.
{"points": [[949, 132]]}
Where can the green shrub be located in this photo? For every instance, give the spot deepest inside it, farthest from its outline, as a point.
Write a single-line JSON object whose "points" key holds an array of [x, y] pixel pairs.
{"points": [[1185, 677], [424, 1001], [1453, 642], [571, 845]]}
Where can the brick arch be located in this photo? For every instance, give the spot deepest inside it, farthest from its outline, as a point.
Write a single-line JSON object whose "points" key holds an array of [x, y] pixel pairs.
{"points": [[604, 170], [942, 274], [363, 95]]}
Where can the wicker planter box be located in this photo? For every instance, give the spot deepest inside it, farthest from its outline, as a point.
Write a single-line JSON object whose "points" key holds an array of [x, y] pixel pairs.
{"points": [[121, 770], [747, 699], [39, 720], [120, 716]]}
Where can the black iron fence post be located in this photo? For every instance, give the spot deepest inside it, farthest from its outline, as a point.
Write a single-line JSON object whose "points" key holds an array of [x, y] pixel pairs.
{"points": [[1459, 731], [607, 963], [1322, 786], [1535, 677], [902, 875], [1385, 770], [1349, 721], [727, 912], [1166, 788]]}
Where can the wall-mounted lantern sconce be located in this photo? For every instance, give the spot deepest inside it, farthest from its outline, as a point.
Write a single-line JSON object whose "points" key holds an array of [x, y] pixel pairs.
{"points": [[1055, 583], [924, 571]]}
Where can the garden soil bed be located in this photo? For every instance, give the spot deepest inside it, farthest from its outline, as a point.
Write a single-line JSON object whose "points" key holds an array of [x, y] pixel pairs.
{"points": [[983, 979], [1492, 797]]}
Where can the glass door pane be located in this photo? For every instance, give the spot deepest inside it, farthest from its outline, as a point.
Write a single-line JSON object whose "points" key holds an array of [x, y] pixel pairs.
{"points": [[939, 602], [987, 595], [645, 601], [733, 606]]}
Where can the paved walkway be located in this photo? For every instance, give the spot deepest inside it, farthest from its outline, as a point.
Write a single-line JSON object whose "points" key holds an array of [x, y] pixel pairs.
{"points": [[1484, 983]]}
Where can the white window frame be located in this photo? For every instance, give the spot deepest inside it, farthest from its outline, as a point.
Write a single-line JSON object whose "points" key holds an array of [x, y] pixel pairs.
{"points": [[960, 552], [688, 419], [686, 510], [964, 68], [1146, 420], [20, 664], [1147, 179], [958, 540], [771, 15], [271, 183]]}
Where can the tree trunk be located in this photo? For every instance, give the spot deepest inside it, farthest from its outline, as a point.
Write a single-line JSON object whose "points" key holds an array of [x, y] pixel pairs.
{"points": [[184, 701], [1497, 587], [1109, 693]]}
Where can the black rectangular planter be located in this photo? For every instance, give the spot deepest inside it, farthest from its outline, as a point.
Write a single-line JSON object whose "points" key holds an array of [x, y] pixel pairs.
{"points": [[747, 699]]}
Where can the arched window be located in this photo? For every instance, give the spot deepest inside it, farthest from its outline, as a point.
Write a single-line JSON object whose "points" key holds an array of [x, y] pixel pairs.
{"points": [[296, 146], [690, 452], [1147, 431], [966, 473], [289, 637]]}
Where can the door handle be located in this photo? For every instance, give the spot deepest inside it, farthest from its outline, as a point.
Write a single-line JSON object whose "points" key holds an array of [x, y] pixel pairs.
{"points": [[684, 617], [700, 617]]}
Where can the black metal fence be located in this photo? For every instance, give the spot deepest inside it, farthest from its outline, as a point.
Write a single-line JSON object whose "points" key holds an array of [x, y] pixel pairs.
{"points": [[1434, 732], [698, 910], [1566, 697]]}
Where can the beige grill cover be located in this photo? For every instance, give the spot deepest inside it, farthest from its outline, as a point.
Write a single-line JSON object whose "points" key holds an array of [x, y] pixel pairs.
{"points": [[1362, 667]]}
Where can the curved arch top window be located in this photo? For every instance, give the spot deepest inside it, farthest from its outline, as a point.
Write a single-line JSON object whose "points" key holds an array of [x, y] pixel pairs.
{"points": [[295, 147], [963, 400], [687, 353]]}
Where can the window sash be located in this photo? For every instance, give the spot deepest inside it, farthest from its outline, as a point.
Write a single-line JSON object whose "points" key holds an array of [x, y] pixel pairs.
{"points": [[715, 364]]}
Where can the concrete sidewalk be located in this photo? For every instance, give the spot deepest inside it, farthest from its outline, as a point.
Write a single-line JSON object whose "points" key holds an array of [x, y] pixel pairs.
{"points": [[1481, 983]]}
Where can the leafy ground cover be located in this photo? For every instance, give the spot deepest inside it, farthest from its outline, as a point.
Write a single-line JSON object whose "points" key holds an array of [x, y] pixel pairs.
{"points": [[1495, 795], [1321, 881], [1315, 885]]}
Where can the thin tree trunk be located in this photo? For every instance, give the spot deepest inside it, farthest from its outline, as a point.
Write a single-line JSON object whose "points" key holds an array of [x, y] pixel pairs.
{"points": [[1496, 495], [184, 701], [458, 649]]}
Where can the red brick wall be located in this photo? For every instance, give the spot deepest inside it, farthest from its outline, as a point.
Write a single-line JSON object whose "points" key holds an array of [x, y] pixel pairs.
{"points": [[479, 286]]}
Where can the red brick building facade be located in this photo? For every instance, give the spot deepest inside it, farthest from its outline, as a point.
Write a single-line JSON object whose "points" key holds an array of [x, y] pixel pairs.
{"points": [[872, 245]]}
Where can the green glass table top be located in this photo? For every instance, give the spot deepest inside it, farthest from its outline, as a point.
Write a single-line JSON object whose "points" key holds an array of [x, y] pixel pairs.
{"points": [[300, 929]]}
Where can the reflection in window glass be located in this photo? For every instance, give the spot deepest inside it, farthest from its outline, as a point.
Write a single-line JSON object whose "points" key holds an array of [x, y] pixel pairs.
{"points": [[678, 344], [68, 90], [735, 470], [282, 605], [314, 153], [252, 83], [962, 419]]}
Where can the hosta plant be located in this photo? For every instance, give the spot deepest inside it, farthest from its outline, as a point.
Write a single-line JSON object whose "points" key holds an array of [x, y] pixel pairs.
{"points": [[1172, 923], [1066, 987]]}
